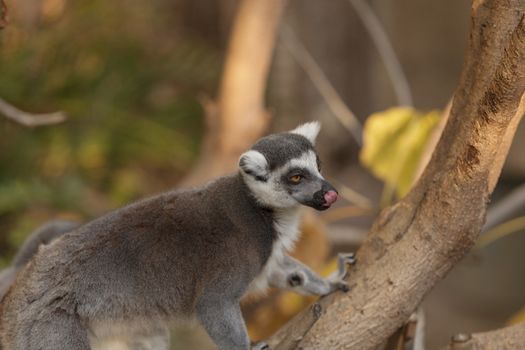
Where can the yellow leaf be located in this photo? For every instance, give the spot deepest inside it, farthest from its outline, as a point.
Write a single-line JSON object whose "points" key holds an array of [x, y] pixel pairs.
{"points": [[517, 318], [393, 142]]}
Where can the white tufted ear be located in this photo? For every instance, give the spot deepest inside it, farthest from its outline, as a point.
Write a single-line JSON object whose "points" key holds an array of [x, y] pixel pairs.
{"points": [[255, 164], [309, 130]]}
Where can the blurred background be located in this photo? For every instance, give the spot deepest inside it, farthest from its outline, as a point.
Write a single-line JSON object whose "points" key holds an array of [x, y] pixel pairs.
{"points": [[135, 79]]}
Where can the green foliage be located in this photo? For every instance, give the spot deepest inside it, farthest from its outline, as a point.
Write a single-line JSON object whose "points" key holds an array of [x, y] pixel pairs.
{"points": [[128, 82], [394, 141]]}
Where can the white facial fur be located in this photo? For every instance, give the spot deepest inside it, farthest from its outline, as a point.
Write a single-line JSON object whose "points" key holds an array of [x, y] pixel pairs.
{"points": [[271, 193], [309, 130], [254, 163], [307, 160]]}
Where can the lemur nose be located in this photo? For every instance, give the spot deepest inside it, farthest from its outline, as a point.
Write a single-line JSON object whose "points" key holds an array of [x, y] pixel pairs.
{"points": [[330, 197]]}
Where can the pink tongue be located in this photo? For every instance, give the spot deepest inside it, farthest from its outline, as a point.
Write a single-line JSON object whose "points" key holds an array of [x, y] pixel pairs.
{"points": [[330, 197]]}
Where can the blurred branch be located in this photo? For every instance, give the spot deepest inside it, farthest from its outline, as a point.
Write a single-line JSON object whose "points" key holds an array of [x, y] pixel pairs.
{"points": [[419, 332], [239, 117], [345, 212], [415, 243], [505, 208], [353, 196], [387, 53], [28, 119], [501, 231], [413, 330], [508, 338], [343, 236], [334, 102], [3, 14]]}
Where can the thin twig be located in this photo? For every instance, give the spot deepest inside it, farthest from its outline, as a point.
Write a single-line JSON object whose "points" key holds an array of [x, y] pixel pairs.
{"points": [[505, 208], [505, 229], [334, 102], [386, 51], [346, 212], [28, 119], [342, 236], [419, 333], [352, 195]]}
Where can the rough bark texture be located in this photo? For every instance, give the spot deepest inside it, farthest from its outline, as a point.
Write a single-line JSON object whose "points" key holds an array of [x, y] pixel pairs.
{"points": [[508, 338], [239, 118], [414, 243]]}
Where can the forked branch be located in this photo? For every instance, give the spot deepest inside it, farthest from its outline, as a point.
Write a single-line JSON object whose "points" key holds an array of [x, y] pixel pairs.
{"points": [[413, 244]]}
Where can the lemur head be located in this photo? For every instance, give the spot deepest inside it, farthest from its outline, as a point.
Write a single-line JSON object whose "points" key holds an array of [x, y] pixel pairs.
{"points": [[283, 170]]}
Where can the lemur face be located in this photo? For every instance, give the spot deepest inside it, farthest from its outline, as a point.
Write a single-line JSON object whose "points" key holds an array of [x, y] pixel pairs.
{"points": [[283, 170]]}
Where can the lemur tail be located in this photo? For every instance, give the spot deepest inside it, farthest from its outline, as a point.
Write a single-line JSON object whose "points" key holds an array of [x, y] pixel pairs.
{"points": [[42, 235]]}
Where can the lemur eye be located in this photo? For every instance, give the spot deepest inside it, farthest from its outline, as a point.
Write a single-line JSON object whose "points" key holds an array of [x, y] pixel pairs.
{"points": [[295, 178]]}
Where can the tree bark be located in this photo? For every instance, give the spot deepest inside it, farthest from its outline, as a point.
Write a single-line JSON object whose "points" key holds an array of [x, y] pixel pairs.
{"points": [[413, 244], [508, 338]]}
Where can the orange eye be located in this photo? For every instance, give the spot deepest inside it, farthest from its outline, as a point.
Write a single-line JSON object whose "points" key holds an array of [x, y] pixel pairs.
{"points": [[296, 179]]}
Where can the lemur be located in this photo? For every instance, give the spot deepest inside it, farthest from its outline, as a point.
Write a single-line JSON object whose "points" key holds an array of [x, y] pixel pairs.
{"points": [[180, 255]]}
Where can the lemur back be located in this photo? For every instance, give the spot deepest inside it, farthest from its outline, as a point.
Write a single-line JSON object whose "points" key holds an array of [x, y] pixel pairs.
{"points": [[174, 256]]}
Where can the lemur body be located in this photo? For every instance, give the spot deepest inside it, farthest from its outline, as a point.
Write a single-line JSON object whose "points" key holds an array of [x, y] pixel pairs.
{"points": [[175, 256]]}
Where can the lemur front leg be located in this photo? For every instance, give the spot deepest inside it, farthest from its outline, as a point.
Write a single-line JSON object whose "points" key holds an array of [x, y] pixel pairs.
{"points": [[295, 276], [223, 321]]}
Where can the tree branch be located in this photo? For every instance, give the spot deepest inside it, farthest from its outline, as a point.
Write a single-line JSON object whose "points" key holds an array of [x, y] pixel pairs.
{"points": [[508, 338], [413, 244], [28, 119]]}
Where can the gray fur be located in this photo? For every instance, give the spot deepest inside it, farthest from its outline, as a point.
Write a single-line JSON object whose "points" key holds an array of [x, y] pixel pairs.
{"points": [[42, 235], [175, 256], [295, 276], [278, 149]]}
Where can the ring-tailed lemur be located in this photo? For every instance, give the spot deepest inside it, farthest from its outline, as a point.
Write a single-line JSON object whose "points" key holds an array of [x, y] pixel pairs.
{"points": [[175, 256]]}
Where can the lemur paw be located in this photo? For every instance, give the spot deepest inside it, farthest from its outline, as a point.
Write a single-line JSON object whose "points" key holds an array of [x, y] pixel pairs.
{"points": [[261, 346], [338, 282], [342, 286], [345, 259]]}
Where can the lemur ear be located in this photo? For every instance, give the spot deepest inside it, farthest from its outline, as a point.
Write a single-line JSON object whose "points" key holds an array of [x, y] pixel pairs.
{"points": [[255, 164], [309, 130]]}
